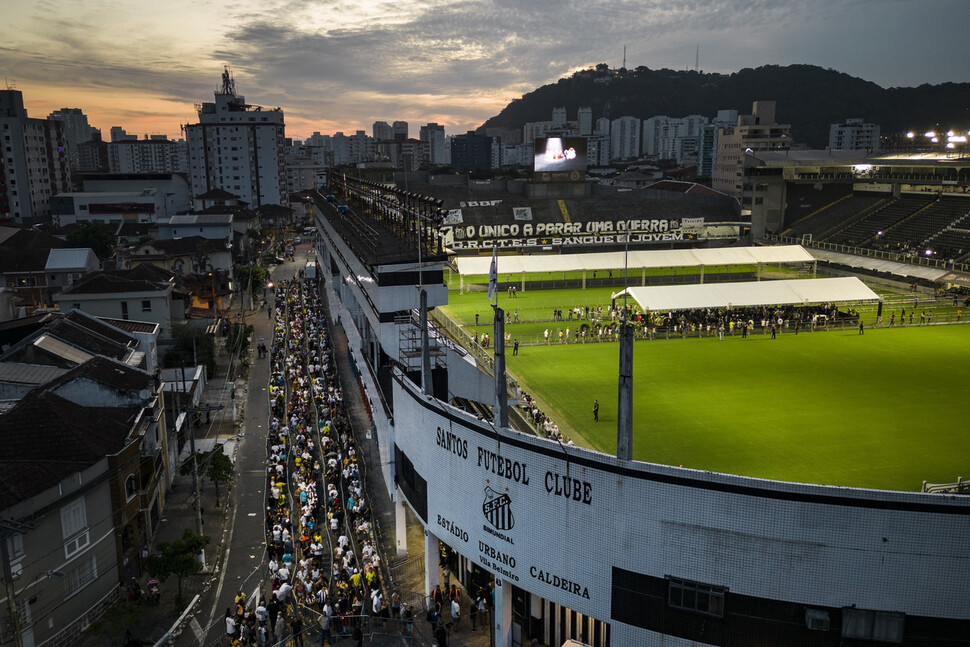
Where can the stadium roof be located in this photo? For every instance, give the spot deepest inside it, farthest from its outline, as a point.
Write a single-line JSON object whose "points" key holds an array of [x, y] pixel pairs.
{"points": [[750, 293], [469, 265]]}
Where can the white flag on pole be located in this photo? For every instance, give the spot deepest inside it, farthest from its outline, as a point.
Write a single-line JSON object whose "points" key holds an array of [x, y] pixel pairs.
{"points": [[493, 276]]}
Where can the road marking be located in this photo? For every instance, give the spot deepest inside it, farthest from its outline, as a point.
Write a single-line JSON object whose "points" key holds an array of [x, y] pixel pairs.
{"points": [[222, 572]]}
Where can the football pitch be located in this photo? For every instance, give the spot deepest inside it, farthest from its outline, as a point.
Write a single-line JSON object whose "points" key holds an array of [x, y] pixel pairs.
{"points": [[882, 410]]}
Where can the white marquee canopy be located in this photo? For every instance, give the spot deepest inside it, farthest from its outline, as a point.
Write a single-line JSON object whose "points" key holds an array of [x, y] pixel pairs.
{"points": [[750, 293], [636, 259]]}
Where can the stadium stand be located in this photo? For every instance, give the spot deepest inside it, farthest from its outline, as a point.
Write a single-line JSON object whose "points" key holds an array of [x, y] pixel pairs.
{"points": [[954, 241], [836, 214], [491, 203], [916, 229], [862, 231]]}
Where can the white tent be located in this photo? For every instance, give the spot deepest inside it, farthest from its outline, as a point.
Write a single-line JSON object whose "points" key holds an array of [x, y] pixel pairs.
{"points": [[750, 293], [638, 259]]}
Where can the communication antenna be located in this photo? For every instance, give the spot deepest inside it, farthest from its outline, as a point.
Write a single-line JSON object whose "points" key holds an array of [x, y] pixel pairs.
{"points": [[228, 82], [697, 57], [624, 57], [11, 85]]}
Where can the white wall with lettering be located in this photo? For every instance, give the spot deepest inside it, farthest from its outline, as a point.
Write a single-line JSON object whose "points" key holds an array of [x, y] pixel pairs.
{"points": [[555, 519]]}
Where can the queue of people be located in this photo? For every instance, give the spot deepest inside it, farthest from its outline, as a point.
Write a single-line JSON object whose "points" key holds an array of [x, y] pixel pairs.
{"points": [[322, 566]]}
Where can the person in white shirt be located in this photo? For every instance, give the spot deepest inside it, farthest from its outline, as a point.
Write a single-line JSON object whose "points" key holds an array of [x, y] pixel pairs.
{"points": [[455, 614]]}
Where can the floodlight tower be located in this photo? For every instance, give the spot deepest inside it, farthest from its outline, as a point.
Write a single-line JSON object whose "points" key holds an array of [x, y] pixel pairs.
{"points": [[624, 407]]}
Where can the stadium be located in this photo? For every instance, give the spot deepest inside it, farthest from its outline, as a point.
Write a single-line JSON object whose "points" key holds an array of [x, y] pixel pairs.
{"points": [[763, 488]]}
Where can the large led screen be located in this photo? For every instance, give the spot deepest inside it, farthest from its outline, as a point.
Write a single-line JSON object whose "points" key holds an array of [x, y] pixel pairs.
{"points": [[560, 154]]}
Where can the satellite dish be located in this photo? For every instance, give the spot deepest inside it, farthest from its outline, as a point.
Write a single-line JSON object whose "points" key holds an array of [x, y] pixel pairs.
{"points": [[144, 394]]}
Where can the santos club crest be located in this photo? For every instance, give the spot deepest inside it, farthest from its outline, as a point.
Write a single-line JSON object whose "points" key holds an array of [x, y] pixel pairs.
{"points": [[497, 508]]}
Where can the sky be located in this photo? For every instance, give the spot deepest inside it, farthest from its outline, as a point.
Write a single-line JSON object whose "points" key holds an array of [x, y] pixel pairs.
{"points": [[341, 65]]}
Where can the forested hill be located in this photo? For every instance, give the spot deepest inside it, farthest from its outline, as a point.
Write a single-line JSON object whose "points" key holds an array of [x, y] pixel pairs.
{"points": [[809, 98]]}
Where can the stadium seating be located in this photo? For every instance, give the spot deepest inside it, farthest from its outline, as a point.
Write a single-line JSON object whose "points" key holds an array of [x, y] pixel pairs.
{"points": [[913, 232], [954, 241], [832, 216], [862, 232]]}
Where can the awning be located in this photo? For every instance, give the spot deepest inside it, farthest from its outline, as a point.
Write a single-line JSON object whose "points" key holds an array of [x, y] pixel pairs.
{"points": [[750, 293], [638, 259]]}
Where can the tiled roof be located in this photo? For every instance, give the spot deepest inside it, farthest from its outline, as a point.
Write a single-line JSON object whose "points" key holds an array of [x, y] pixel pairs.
{"points": [[131, 229], [108, 372], [47, 438], [176, 246], [27, 251], [143, 278], [97, 325], [274, 210], [216, 194], [238, 211], [131, 326], [150, 273], [218, 218]]}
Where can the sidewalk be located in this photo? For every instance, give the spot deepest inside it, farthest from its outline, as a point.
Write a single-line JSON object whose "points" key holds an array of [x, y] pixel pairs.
{"points": [[148, 623]]}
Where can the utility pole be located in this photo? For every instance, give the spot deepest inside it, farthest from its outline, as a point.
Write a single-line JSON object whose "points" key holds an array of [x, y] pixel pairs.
{"points": [[176, 395], [8, 529]]}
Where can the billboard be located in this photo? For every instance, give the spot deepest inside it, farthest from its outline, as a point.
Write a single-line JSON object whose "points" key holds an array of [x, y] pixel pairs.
{"points": [[553, 154]]}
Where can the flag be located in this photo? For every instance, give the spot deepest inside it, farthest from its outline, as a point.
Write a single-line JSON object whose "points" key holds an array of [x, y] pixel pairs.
{"points": [[493, 276]]}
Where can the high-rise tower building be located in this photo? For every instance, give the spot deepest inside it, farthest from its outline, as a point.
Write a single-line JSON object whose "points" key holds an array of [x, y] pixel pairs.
{"points": [[625, 138], [33, 162], [238, 147], [382, 131], [434, 134], [755, 132], [76, 130], [585, 117]]}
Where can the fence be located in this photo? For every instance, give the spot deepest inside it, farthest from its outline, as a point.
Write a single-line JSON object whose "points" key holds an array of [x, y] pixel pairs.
{"points": [[960, 487], [885, 255]]}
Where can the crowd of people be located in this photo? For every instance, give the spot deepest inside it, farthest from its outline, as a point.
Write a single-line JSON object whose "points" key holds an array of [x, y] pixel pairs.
{"points": [[322, 567], [543, 423]]}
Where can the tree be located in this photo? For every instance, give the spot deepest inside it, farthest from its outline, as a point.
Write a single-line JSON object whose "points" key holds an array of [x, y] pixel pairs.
{"points": [[238, 339], [191, 344], [179, 558], [252, 275], [97, 236], [213, 464], [116, 620]]}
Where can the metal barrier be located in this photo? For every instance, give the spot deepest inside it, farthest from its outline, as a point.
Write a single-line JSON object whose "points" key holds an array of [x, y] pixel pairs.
{"points": [[872, 253]]}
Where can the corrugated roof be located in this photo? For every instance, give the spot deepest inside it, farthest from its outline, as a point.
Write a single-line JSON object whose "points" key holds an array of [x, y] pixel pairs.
{"points": [[17, 373], [68, 259], [59, 348]]}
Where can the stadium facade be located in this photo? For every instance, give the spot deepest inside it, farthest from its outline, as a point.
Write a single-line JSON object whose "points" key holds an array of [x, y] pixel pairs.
{"points": [[583, 545]]}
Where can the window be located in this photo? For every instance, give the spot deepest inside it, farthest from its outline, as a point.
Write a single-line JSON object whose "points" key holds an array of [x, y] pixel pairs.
{"points": [[873, 625], [124, 310], [82, 575], [131, 487], [146, 305], [694, 596], [15, 546], [74, 527]]}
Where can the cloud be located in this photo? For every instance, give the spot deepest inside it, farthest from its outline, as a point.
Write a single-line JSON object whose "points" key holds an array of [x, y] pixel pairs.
{"points": [[340, 65]]}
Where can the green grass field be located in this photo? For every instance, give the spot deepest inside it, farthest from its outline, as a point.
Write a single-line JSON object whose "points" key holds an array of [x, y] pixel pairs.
{"points": [[884, 410]]}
